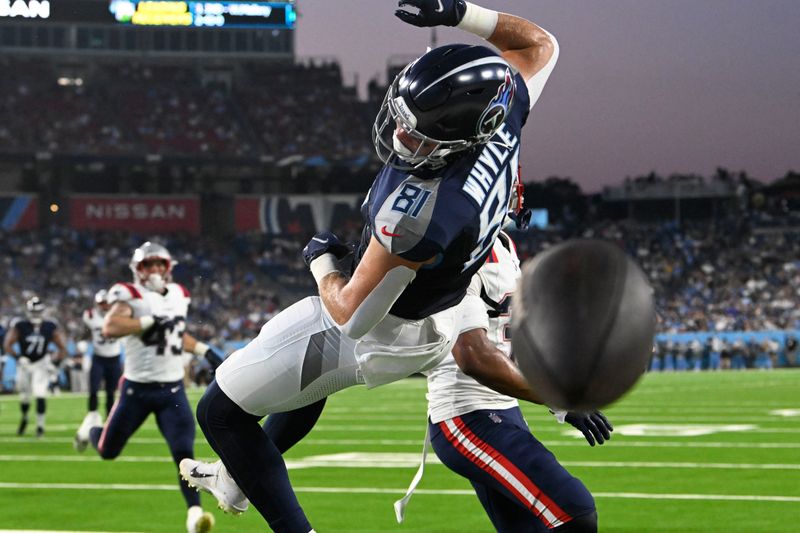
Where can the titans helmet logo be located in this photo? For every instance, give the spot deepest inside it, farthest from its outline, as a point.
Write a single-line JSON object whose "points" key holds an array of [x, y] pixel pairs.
{"points": [[497, 110]]}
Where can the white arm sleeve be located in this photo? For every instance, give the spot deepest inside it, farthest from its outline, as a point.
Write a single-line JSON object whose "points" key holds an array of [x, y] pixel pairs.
{"points": [[536, 83], [376, 305], [473, 314]]}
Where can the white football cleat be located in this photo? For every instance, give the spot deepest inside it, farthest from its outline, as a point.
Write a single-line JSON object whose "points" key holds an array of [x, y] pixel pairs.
{"points": [[81, 441], [214, 479], [199, 521]]}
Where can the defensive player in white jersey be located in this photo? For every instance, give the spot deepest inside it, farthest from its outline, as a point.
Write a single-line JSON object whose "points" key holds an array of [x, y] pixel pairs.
{"points": [[106, 365], [482, 435], [150, 317], [448, 132], [35, 363]]}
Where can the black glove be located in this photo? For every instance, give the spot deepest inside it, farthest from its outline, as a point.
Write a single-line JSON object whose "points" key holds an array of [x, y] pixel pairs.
{"points": [[324, 243], [155, 333], [432, 12], [594, 426], [213, 359]]}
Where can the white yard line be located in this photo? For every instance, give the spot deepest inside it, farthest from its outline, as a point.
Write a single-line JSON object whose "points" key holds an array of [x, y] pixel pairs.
{"points": [[406, 460], [616, 442], [374, 490], [88, 458], [646, 464], [51, 531]]}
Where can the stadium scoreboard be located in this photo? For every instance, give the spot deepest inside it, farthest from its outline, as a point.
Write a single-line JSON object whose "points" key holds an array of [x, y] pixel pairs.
{"points": [[220, 14]]}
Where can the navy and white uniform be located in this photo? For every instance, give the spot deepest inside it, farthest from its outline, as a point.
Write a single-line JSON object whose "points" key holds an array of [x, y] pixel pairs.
{"points": [[481, 434], [153, 375], [34, 339], [453, 215], [106, 366]]}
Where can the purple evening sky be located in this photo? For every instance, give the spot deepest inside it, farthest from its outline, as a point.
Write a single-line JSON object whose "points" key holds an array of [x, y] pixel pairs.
{"points": [[642, 85]]}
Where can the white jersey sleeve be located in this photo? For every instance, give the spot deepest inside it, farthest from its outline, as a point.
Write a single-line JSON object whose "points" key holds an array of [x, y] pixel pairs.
{"points": [[123, 292]]}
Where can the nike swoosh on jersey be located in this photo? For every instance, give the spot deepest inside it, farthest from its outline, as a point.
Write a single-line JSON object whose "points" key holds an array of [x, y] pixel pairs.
{"points": [[386, 232], [323, 241], [175, 389]]}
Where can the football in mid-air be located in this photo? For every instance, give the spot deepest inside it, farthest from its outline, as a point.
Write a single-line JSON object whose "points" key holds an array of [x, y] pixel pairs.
{"points": [[583, 324]]}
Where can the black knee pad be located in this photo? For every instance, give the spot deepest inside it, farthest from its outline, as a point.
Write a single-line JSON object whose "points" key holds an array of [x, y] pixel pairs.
{"points": [[581, 524]]}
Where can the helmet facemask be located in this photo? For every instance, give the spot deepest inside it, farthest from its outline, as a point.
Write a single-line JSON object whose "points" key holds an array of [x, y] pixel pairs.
{"points": [[34, 310], [153, 281], [429, 153]]}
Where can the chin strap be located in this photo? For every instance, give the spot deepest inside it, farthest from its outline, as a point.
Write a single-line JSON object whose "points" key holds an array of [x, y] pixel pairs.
{"points": [[560, 415], [400, 505]]}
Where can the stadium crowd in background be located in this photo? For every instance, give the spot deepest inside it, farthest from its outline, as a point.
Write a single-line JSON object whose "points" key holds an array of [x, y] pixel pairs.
{"points": [[171, 110], [708, 277]]}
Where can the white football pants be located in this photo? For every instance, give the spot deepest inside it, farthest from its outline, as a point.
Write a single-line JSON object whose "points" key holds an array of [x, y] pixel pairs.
{"points": [[301, 356], [33, 379]]}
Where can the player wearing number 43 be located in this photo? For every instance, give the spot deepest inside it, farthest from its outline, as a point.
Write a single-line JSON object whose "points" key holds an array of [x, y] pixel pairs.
{"points": [[35, 364], [449, 134], [150, 317]]}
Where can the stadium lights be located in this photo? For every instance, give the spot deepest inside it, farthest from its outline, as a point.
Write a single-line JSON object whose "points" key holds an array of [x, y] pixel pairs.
{"points": [[65, 81]]}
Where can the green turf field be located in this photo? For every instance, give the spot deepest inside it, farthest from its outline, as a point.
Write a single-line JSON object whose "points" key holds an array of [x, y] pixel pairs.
{"points": [[702, 452]]}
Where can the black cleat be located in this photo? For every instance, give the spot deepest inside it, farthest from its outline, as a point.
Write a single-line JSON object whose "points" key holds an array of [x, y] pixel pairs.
{"points": [[39, 432], [22, 425]]}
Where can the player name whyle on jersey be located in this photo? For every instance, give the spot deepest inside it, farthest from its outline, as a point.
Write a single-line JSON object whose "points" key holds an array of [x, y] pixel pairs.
{"points": [[159, 361], [102, 346], [497, 165], [452, 215], [492, 161]]}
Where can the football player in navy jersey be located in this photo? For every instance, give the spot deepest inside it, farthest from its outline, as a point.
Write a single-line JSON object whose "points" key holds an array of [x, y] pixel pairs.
{"points": [[35, 363], [448, 132]]}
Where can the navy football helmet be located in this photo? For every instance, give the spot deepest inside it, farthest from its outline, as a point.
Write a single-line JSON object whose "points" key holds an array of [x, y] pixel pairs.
{"points": [[445, 102]]}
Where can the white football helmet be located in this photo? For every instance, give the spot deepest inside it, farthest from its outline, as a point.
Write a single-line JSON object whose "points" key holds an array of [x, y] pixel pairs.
{"points": [[101, 297], [151, 250], [34, 309]]}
